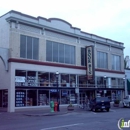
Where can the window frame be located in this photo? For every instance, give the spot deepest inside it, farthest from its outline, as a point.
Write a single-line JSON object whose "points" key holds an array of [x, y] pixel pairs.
{"points": [[24, 52], [67, 59], [102, 60]]}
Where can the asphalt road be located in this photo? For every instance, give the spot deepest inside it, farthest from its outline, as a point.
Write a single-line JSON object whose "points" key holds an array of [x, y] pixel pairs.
{"points": [[84, 120]]}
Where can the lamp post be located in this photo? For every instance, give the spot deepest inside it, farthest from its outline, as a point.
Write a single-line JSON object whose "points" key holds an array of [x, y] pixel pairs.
{"points": [[124, 82], [125, 85], [105, 78], [57, 76]]}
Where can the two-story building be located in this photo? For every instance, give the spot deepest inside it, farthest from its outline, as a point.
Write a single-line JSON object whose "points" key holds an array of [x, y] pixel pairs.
{"points": [[33, 49]]}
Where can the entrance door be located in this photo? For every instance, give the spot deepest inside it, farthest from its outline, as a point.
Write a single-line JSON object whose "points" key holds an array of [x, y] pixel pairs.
{"points": [[82, 97]]}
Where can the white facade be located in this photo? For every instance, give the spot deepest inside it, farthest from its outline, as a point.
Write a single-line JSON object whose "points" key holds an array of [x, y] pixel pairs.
{"points": [[15, 24]]}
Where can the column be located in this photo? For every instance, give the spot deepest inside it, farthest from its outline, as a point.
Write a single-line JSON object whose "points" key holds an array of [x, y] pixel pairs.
{"points": [[109, 82], [11, 92]]}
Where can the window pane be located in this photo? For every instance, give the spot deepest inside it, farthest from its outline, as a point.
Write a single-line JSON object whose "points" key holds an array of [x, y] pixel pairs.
{"points": [[116, 62], [23, 46], [55, 52], [61, 53], [58, 52], [35, 48], [82, 56], [72, 54], [49, 51], [67, 54], [102, 60], [29, 47], [98, 59]]}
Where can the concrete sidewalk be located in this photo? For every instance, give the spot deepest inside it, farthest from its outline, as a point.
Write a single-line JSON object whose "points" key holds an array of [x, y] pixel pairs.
{"points": [[46, 111], [63, 110]]}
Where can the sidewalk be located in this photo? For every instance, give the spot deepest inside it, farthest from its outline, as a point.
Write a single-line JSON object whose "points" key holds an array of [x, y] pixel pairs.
{"points": [[47, 111], [63, 110]]}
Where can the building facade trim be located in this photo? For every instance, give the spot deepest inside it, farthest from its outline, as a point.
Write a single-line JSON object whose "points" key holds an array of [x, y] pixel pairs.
{"points": [[59, 65]]}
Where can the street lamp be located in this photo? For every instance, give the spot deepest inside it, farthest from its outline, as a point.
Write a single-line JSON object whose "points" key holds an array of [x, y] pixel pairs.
{"points": [[105, 78], [124, 82], [125, 85], [57, 76]]}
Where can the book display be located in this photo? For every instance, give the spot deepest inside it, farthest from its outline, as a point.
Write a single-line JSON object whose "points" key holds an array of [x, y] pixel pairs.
{"points": [[20, 99], [5, 98]]}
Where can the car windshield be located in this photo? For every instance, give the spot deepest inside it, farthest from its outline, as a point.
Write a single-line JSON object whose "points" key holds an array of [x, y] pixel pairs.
{"points": [[102, 99]]}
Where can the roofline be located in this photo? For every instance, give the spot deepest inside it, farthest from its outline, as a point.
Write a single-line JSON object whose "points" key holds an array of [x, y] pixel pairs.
{"points": [[58, 30]]}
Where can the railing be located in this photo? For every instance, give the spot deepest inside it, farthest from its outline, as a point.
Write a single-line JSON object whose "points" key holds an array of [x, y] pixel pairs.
{"points": [[67, 85]]}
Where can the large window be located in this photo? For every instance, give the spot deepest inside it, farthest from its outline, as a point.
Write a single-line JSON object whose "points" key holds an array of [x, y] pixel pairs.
{"points": [[116, 62], [29, 47], [102, 60], [83, 57], [58, 52]]}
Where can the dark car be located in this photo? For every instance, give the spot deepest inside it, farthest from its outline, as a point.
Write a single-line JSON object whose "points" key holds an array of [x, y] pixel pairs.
{"points": [[100, 103]]}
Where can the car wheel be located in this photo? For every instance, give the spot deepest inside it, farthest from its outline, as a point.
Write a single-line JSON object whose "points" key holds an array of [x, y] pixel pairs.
{"points": [[107, 109]]}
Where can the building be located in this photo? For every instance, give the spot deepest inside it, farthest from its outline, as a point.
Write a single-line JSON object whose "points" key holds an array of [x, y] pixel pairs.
{"points": [[127, 74], [33, 49]]}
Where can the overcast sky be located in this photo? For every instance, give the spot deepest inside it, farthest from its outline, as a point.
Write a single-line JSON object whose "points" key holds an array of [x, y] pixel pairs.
{"points": [[105, 18]]}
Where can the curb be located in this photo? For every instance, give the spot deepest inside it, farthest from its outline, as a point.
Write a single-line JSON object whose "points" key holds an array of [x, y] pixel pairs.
{"points": [[46, 114]]}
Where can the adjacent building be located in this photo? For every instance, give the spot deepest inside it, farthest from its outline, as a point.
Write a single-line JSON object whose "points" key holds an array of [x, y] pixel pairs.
{"points": [[33, 49], [127, 74]]}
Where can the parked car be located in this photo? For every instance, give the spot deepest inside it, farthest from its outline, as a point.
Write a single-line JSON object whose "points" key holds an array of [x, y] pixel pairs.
{"points": [[126, 101], [100, 103]]}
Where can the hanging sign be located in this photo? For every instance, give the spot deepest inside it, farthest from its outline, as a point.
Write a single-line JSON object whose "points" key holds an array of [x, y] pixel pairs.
{"points": [[90, 62]]}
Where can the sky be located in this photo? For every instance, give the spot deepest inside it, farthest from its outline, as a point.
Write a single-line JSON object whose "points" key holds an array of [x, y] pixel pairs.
{"points": [[105, 18]]}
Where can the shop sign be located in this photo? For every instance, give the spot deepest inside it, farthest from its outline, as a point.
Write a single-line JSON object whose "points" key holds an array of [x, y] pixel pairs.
{"points": [[53, 90], [19, 79], [90, 62]]}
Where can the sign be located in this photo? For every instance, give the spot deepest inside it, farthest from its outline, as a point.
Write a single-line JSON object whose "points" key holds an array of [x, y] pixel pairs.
{"points": [[19, 79], [90, 62], [53, 90], [122, 124]]}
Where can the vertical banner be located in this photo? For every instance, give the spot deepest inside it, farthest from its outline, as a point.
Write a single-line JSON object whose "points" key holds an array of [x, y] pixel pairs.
{"points": [[90, 63]]}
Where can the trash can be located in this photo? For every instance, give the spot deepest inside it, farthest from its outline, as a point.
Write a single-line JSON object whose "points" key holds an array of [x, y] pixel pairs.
{"points": [[55, 106], [52, 106]]}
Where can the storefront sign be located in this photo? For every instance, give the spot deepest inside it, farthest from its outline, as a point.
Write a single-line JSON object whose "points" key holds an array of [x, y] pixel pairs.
{"points": [[19, 79], [53, 90], [90, 62]]}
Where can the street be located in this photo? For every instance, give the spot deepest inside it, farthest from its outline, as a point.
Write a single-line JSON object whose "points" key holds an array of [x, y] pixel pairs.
{"points": [[80, 120]]}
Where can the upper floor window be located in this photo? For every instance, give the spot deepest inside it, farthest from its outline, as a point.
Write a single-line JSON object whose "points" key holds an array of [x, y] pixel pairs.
{"points": [[58, 52], [116, 62], [83, 56], [29, 47], [102, 60]]}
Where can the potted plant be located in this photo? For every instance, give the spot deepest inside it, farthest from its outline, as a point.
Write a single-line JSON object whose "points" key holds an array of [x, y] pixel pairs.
{"points": [[70, 107], [116, 103]]}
